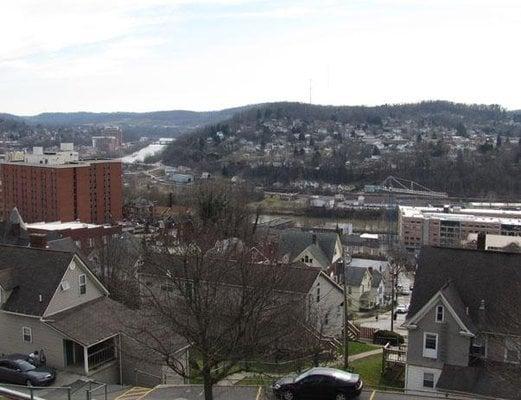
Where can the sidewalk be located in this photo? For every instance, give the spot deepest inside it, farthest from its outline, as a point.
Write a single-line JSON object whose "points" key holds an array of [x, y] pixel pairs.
{"points": [[239, 376]]}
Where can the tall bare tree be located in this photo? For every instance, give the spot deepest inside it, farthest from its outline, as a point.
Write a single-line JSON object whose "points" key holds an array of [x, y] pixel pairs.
{"points": [[213, 285]]}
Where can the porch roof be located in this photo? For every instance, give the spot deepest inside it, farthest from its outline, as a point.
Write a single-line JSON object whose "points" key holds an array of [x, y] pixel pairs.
{"points": [[92, 322]]}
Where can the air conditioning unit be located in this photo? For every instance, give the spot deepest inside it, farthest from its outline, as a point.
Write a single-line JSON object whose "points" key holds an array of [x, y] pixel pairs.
{"points": [[65, 285]]}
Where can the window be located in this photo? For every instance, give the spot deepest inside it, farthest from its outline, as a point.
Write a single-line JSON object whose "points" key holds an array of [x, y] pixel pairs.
{"points": [[440, 314], [349, 290], [318, 294], [326, 319], [428, 380], [430, 345], [91, 242], [83, 284], [512, 351], [27, 334]]}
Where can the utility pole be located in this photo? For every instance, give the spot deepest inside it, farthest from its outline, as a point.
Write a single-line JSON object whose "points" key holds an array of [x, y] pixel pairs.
{"points": [[346, 262], [393, 294]]}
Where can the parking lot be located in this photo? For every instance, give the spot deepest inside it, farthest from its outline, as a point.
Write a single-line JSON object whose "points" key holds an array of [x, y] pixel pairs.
{"points": [[195, 392]]}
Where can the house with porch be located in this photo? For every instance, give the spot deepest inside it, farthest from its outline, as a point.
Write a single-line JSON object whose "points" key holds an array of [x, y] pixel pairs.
{"points": [[464, 324], [50, 300]]}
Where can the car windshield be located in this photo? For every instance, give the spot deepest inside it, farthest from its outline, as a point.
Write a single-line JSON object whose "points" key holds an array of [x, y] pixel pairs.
{"points": [[24, 365], [303, 375]]}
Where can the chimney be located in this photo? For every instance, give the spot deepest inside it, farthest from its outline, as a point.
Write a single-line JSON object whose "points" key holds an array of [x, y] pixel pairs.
{"points": [[371, 270], [38, 240], [482, 241], [170, 199], [314, 238]]}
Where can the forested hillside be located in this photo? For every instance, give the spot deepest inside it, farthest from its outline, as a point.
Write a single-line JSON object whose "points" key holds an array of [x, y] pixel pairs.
{"points": [[467, 150]]}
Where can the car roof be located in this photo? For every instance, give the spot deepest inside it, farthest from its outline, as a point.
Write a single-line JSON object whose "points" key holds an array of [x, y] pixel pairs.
{"points": [[333, 372]]}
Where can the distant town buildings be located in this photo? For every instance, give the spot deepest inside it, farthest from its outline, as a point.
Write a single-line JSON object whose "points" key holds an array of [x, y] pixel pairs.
{"points": [[450, 226], [56, 186]]}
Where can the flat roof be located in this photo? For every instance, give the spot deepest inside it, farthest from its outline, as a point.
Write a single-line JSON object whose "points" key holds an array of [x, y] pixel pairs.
{"points": [[60, 226], [80, 163], [464, 214]]}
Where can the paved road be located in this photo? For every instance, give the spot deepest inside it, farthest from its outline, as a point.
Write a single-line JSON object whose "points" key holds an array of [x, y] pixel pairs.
{"points": [[384, 320]]}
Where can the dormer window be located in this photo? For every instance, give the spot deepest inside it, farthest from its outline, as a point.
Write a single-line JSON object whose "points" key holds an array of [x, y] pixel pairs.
{"points": [[440, 314]]}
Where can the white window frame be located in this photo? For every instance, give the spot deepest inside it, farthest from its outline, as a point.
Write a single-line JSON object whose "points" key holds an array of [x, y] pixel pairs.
{"points": [[442, 308], [430, 353], [82, 285], [510, 345], [423, 380], [29, 334]]}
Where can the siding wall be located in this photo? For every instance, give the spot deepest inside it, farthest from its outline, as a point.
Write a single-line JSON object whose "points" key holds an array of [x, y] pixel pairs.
{"points": [[44, 337], [453, 348], [71, 298]]}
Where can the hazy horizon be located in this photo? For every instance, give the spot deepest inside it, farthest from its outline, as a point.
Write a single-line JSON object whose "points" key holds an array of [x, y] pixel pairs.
{"points": [[205, 55], [240, 106]]}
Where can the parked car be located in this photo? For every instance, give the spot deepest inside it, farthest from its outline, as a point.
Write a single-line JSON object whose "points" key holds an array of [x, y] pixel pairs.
{"points": [[402, 309], [21, 372], [319, 384]]}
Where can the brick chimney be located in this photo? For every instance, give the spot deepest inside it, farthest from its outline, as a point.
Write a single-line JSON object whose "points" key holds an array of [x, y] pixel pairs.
{"points": [[38, 240]]}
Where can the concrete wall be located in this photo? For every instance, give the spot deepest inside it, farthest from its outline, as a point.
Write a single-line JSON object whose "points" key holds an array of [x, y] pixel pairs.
{"points": [[44, 337], [64, 299], [414, 379]]}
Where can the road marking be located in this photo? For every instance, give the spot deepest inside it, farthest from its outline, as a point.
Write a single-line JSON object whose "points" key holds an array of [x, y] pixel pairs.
{"points": [[259, 391], [372, 395]]}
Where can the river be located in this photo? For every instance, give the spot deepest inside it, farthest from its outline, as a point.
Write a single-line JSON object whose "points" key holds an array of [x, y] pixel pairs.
{"points": [[140, 155]]}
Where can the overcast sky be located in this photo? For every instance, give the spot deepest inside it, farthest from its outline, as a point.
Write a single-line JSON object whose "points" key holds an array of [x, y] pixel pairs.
{"points": [[142, 55]]}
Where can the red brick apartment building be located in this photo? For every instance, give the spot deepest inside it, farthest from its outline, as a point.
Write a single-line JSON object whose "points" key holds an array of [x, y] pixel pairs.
{"points": [[88, 191]]}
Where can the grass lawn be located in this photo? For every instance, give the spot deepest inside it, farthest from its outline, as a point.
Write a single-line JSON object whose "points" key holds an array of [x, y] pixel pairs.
{"points": [[360, 347], [370, 369]]}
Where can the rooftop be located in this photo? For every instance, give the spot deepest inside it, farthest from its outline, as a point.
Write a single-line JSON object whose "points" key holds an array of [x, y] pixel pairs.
{"points": [[60, 226], [464, 214]]}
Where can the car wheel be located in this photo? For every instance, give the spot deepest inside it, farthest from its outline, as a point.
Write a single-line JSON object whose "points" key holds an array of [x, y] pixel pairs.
{"points": [[288, 395], [28, 383], [340, 396]]}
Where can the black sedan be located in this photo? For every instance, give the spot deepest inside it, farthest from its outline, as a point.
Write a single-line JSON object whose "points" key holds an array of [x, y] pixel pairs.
{"points": [[319, 384], [21, 372]]}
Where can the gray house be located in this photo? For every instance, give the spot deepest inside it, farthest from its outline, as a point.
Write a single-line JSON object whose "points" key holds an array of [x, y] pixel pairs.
{"points": [[464, 324], [316, 249], [51, 301]]}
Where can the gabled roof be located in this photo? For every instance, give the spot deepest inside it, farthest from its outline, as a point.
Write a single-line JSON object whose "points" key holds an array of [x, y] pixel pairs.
{"points": [[293, 242], [92, 322], [493, 278], [317, 253], [32, 272], [355, 276]]}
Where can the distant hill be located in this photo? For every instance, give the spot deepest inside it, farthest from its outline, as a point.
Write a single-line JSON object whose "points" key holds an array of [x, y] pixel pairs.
{"points": [[157, 123], [165, 118]]}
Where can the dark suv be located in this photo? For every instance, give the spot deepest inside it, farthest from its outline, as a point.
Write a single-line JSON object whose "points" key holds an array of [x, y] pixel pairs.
{"points": [[319, 384]]}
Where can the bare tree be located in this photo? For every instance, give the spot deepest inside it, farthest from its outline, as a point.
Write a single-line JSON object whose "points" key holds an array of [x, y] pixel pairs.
{"points": [[116, 264], [213, 285]]}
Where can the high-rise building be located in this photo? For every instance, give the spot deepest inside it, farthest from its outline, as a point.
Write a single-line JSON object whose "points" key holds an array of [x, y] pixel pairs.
{"points": [[56, 186], [450, 226]]}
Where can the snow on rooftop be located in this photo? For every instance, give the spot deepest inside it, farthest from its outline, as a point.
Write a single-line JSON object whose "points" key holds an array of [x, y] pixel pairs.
{"points": [[59, 226]]}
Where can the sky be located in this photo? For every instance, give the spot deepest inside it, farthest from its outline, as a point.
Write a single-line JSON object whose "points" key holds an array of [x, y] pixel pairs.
{"points": [[147, 55]]}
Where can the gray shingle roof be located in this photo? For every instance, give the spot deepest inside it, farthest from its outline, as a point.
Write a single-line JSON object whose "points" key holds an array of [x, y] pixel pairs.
{"points": [[293, 242], [355, 276], [494, 277], [33, 272], [93, 321]]}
